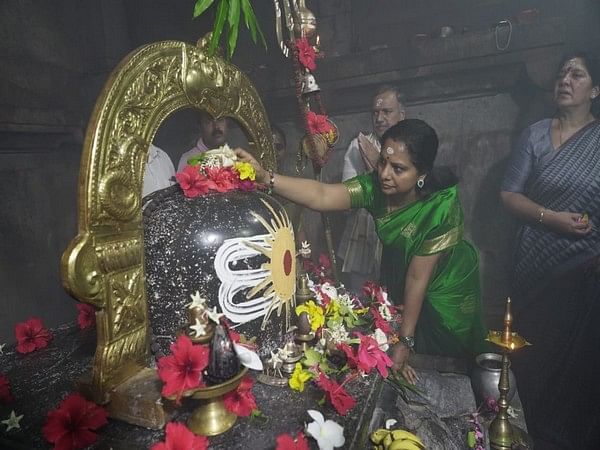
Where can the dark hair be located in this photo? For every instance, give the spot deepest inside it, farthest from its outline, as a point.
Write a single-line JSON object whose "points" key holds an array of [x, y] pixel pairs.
{"points": [[422, 143], [592, 64], [389, 88]]}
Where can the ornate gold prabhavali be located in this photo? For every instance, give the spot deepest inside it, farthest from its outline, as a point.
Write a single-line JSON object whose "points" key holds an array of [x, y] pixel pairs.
{"points": [[104, 264]]}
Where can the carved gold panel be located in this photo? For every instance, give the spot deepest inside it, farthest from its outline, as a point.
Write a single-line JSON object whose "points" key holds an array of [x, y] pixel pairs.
{"points": [[104, 263]]}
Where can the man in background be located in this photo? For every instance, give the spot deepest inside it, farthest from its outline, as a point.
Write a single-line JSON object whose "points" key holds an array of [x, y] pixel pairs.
{"points": [[360, 249], [159, 173], [213, 134]]}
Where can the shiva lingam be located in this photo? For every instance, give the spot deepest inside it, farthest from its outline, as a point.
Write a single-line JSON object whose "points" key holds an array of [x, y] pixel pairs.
{"points": [[502, 432]]}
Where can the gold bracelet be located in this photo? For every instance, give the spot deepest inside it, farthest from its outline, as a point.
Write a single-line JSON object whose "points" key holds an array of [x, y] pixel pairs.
{"points": [[541, 219]]}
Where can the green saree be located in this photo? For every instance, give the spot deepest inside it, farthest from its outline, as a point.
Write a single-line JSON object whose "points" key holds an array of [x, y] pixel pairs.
{"points": [[450, 321]]}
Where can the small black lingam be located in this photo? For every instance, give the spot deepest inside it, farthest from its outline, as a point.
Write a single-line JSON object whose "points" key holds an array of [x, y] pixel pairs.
{"points": [[224, 363]]}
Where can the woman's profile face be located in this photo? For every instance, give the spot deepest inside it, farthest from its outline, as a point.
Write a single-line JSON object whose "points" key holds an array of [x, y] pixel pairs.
{"points": [[397, 173], [573, 86]]}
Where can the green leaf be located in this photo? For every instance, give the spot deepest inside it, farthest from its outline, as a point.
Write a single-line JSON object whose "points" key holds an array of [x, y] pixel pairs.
{"points": [[233, 19], [311, 357], [201, 6], [471, 441], [322, 401], [218, 27], [251, 22]]}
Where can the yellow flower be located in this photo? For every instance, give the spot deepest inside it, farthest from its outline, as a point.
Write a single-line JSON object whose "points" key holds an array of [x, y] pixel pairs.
{"points": [[333, 310], [315, 314], [299, 377], [245, 170], [361, 311]]}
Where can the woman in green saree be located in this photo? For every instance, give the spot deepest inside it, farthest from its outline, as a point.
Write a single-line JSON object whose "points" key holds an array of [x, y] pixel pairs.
{"points": [[427, 265]]}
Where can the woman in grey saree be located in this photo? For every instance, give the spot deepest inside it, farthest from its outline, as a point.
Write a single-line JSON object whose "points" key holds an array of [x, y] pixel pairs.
{"points": [[553, 184]]}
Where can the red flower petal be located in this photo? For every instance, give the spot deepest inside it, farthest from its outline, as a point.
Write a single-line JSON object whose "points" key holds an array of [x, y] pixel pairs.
{"points": [[287, 442], [179, 437], [5, 394], [241, 402], [183, 369], [71, 425], [87, 315], [31, 335], [306, 54]]}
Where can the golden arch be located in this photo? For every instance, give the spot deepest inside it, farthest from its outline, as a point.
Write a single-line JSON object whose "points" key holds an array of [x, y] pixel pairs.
{"points": [[104, 264]]}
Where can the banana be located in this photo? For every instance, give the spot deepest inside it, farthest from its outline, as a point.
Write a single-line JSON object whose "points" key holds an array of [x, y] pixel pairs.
{"points": [[378, 435], [403, 434], [404, 444], [387, 441]]}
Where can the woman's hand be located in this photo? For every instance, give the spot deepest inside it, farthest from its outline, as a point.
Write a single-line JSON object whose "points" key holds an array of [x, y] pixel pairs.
{"points": [[262, 176], [400, 354], [565, 222]]}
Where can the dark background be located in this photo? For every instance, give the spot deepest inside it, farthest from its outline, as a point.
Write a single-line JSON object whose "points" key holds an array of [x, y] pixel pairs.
{"points": [[56, 55]]}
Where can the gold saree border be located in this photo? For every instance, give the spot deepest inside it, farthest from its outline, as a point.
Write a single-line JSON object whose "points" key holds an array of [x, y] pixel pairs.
{"points": [[440, 243]]}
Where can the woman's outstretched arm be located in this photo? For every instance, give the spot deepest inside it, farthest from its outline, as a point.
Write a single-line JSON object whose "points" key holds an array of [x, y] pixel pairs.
{"points": [[309, 193]]}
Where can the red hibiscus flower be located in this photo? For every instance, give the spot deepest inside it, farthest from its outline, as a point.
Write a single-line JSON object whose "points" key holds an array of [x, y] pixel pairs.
{"points": [[370, 288], [179, 437], [87, 315], [351, 358], [71, 425], [371, 356], [183, 369], [193, 182], [317, 123], [5, 394], [287, 442], [306, 54], [241, 402], [380, 322], [31, 335], [336, 394], [224, 178]]}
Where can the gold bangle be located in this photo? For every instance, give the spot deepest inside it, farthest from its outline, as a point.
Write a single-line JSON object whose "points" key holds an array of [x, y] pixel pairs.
{"points": [[541, 219]]}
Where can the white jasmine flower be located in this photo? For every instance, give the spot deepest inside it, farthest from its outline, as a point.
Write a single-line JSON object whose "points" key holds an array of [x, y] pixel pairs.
{"points": [[327, 433], [385, 312], [222, 156]]}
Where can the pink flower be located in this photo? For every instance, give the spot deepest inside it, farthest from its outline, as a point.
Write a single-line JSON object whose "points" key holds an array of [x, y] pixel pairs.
{"points": [[179, 437], [306, 54], [241, 402], [287, 442], [193, 182], [87, 315], [5, 394], [370, 288], [317, 123], [371, 356], [72, 424], [336, 394], [247, 185], [31, 335], [183, 369], [351, 358], [224, 178]]}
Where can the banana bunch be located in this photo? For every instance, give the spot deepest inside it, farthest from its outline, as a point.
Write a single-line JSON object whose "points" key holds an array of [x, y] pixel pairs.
{"points": [[396, 440]]}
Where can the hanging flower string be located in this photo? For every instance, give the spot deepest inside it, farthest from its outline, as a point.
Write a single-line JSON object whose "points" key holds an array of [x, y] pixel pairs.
{"points": [[218, 171]]}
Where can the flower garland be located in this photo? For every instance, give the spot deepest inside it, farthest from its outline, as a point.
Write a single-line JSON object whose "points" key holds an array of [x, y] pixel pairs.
{"points": [[216, 170]]}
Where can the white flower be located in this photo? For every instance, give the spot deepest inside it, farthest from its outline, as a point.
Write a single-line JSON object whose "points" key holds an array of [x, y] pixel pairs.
{"points": [[385, 312], [247, 357], [381, 339], [338, 333], [384, 297], [222, 156], [329, 290], [305, 250], [327, 433], [347, 301]]}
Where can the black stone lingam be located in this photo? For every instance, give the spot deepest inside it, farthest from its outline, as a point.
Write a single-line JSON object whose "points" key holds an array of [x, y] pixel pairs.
{"points": [[224, 363], [182, 237]]}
